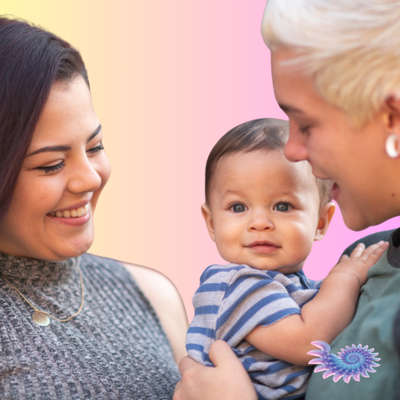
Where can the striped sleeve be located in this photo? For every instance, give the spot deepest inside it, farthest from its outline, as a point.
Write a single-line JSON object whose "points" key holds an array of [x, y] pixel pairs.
{"points": [[231, 301], [253, 298], [206, 302]]}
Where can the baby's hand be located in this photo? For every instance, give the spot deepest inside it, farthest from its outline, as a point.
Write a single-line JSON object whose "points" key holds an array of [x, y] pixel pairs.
{"points": [[361, 260]]}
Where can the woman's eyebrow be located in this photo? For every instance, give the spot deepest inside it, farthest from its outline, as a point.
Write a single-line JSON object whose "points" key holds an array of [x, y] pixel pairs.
{"points": [[98, 129], [287, 109], [62, 148]]}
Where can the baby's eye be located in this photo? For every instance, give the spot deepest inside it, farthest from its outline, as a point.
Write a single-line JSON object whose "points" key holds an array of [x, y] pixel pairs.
{"points": [[282, 207], [238, 208]]}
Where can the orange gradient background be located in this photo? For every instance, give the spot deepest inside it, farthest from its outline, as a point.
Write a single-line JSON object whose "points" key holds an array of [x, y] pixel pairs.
{"points": [[168, 79]]}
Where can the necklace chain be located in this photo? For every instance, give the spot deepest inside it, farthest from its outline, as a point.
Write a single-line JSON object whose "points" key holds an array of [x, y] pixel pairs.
{"points": [[46, 313]]}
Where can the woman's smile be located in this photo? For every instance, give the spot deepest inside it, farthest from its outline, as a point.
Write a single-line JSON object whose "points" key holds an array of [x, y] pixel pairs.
{"points": [[72, 212], [72, 217], [335, 191]]}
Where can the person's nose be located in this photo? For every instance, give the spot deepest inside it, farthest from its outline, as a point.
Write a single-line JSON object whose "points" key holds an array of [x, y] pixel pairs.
{"points": [[296, 149], [261, 220], [84, 177]]}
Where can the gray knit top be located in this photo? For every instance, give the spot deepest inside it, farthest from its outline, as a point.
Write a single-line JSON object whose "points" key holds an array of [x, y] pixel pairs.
{"points": [[114, 349]]}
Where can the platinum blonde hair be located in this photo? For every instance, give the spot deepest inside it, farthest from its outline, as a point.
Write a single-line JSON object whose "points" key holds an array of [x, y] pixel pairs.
{"points": [[350, 47]]}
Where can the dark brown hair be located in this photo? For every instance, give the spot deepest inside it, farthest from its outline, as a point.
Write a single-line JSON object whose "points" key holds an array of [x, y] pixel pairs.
{"points": [[31, 60], [258, 134]]}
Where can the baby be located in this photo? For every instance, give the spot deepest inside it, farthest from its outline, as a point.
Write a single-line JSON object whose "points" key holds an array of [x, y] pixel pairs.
{"points": [[264, 213]]}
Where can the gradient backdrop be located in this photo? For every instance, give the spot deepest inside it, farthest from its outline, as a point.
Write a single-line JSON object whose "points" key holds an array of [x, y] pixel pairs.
{"points": [[168, 79]]}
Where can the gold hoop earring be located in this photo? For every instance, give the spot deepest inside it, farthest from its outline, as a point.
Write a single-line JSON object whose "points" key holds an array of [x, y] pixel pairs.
{"points": [[392, 146]]}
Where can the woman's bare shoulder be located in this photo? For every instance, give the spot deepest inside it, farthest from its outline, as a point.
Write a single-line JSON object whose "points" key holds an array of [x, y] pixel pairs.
{"points": [[167, 302]]}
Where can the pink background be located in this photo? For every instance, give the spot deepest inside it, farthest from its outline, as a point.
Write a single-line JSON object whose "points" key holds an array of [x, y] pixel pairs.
{"points": [[169, 78]]}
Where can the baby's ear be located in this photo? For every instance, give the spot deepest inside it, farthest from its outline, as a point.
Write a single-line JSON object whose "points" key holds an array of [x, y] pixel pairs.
{"points": [[206, 213], [325, 217]]}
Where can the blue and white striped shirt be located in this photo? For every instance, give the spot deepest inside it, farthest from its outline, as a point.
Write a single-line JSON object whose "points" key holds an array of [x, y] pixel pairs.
{"points": [[234, 299]]}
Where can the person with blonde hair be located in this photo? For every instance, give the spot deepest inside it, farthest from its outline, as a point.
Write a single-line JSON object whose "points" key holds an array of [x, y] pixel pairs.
{"points": [[336, 74]]}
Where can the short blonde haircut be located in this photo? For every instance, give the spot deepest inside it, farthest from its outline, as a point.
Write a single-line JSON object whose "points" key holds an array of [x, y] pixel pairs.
{"points": [[350, 47]]}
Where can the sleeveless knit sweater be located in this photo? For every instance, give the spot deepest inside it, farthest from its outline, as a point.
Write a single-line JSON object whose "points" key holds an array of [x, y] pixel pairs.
{"points": [[114, 349]]}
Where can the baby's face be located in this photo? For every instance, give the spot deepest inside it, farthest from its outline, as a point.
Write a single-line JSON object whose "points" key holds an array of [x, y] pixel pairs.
{"points": [[263, 210]]}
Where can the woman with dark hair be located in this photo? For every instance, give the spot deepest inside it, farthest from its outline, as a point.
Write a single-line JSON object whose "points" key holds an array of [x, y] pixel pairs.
{"points": [[73, 325]]}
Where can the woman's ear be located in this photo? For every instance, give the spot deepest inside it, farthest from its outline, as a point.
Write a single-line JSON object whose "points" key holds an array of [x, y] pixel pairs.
{"points": [[206, 213], [325, 217], [391, 121], [391, 110]]}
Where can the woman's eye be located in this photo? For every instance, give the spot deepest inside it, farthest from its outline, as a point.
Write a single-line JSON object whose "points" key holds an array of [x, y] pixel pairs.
{"points": [[51, 168], [238, 208], [97, 148], [304, 129], [282, 207]]}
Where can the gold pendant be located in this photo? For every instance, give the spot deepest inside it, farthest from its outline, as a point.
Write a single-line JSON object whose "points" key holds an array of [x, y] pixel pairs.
{"points": [[40, 318]]}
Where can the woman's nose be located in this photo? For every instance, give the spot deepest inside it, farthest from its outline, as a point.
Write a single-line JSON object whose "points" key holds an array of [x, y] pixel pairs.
{"points": [[84, 178], [296, 149]]}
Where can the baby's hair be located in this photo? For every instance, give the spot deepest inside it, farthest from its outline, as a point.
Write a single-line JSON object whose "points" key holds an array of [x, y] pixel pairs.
{"points": [[258, 134]]}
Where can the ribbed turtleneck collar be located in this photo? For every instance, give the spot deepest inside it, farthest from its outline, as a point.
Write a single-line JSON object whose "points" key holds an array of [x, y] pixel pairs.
{"points": [[37, 270]]}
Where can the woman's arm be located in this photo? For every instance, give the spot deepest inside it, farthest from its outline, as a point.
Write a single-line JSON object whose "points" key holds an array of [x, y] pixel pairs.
{"points": [[325, 316], [167, 303], [227, 380]]}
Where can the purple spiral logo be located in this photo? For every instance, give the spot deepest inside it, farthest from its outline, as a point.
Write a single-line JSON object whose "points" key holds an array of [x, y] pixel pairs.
{"points": [[351, 362]]}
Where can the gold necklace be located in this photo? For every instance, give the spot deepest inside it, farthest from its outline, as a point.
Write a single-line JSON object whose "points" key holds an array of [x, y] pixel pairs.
{"points": [[42, 317]]}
